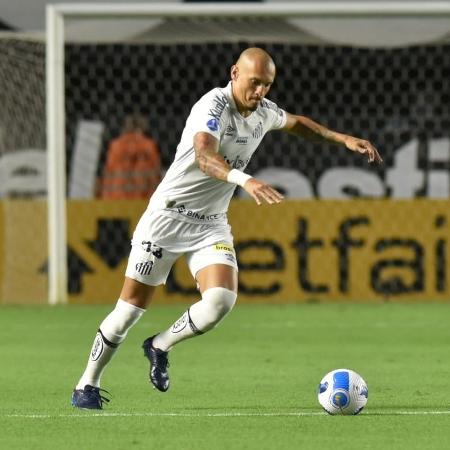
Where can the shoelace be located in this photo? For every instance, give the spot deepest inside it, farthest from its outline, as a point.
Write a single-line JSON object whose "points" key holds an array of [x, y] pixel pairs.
{"points": [[97, 391], [102, 397]]}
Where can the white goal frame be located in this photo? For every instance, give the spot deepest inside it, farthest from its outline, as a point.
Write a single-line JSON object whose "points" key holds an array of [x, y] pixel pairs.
{"points": [[58, 13]]}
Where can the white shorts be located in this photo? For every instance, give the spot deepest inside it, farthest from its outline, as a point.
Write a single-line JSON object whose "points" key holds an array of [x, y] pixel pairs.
{"points": [[159, 241]]}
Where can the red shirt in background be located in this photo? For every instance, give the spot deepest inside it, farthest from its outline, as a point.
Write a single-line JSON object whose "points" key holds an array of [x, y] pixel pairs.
{"points": [[133, 167]]}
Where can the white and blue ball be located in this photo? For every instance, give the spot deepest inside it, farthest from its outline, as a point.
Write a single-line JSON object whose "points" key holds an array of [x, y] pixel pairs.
{"points": [[343, 391]]}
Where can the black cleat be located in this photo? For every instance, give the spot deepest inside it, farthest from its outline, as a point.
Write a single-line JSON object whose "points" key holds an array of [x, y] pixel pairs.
{"points": [[158, 365], [89, 398]]}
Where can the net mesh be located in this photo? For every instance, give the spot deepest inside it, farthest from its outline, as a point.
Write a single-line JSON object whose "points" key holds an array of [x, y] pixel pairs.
{"points": [[22, 95], [396, 97], [23, 224], [387, 96]]}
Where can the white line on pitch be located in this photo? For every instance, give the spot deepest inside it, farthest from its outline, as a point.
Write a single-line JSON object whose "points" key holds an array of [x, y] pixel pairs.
{"points": [[218, 414]]}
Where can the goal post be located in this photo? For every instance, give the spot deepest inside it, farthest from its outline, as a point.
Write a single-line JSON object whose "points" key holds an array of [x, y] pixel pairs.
{"points": [[56, 159], [59, 14]]}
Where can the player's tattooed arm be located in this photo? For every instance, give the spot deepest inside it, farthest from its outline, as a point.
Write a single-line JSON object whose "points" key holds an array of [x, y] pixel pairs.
{"points": [[313, 131], [206, 154], [212, 164]]}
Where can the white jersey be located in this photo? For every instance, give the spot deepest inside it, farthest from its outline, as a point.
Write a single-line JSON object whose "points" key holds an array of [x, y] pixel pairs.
{"points": [[188, 194]]}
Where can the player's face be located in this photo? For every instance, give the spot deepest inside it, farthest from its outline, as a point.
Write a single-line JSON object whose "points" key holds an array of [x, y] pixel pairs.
{"points": [[251, 83]]}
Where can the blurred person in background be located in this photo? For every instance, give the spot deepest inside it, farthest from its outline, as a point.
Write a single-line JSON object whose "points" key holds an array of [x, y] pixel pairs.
{"points": [[133, 163], [187, 215]]}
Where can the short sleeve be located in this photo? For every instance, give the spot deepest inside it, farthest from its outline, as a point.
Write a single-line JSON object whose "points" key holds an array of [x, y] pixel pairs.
{"points": [[277, 115], [280, 119], [207, 115]]}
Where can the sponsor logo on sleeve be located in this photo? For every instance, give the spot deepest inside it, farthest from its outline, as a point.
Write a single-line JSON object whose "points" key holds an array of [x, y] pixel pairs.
{"points": [[213, 124], [220, 101]]}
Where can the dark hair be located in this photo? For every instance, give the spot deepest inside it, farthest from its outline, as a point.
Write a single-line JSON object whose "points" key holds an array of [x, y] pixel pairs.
{"points": [[135, 122]]}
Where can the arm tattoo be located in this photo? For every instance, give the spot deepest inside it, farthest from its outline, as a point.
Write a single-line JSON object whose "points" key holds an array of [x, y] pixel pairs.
{"points": [[313, 131], [212, 164]]}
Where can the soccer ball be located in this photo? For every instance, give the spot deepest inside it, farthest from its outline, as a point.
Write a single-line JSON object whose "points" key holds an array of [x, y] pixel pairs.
{"points": [[343, 391]]}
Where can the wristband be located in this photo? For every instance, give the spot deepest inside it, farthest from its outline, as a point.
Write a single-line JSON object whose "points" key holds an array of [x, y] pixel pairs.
{"points": [[237, 177]]}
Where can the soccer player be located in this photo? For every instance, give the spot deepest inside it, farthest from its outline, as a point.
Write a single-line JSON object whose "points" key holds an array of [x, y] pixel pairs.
{"points": [[188, 215]]}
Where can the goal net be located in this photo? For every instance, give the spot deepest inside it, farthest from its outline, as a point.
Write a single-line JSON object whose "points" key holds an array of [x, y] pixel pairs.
{"points": [[347, 231]]}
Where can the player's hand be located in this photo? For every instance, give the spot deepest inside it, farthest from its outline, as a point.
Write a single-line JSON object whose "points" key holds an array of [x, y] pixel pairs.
{"points": [[262, 192], [363, 147]]}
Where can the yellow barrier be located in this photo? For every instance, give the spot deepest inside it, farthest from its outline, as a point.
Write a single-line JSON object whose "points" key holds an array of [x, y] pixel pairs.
{"points": [[350, 250], [23, 240], [293, 252]]}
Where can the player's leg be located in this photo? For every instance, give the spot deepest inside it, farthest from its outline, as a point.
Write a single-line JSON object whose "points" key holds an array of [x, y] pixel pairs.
{"points": [[148, 266], [133, 300], [112, 331], [218, 286], [215, 270]]}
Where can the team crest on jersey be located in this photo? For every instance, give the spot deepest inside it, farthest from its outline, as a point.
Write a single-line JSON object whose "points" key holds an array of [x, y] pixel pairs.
{"points": [[213, 124], [258, 131]]}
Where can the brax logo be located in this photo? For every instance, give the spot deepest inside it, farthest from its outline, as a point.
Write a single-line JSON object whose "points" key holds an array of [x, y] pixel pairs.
{"points": [[242, 140]]}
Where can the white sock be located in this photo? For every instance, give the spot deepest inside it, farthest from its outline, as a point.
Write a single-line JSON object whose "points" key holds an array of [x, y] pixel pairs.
{"points": [[111, 333], [202, 316]]}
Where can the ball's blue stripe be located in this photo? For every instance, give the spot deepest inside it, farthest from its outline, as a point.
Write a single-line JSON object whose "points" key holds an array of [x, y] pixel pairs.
{"points": [[341, 380]]}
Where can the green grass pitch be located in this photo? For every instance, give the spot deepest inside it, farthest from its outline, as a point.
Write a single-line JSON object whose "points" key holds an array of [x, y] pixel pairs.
{"points": [[249, 384]]}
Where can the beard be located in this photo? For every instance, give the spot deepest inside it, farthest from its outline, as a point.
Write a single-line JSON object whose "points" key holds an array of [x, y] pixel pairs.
{"points": [[254, 105]]}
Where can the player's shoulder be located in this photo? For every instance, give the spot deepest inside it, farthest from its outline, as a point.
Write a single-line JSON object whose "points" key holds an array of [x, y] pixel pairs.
{"points": [[269, 105], [217, 92], [216, 101], [271, 111]]}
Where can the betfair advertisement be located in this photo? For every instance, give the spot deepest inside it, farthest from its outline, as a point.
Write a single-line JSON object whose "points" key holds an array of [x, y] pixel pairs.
{"points": [[297, 251]]}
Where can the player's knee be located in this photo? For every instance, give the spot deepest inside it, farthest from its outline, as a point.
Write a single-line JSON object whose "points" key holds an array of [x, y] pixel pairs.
{"points": [[219, 302], [117, 323]]}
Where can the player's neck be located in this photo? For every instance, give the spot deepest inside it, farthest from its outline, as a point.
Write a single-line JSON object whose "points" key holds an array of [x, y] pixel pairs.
{"points": [[243, 112]]}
